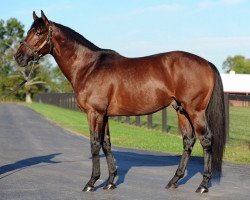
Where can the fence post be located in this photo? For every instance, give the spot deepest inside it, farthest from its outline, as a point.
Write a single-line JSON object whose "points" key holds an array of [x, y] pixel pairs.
{"points": [[226, 99], [150, 121], [164, 120], [128, 119], [71, 96], [75, 103], [119, 118], [138, 121]]}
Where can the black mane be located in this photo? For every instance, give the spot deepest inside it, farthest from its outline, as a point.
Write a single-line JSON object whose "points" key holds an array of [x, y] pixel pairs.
{"points": [[70, 33], [82, 40]]}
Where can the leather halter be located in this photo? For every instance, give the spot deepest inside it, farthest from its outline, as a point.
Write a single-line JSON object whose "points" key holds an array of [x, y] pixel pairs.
{"points": [[35, 51]]}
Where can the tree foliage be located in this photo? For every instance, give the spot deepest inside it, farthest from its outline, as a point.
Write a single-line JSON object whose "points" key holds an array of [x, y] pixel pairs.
{"points": [[11, 33], [238, 63], [59, 82]]}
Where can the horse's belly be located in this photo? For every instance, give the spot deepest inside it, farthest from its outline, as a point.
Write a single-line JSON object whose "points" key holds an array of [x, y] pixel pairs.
{"points": [[139, 104]]}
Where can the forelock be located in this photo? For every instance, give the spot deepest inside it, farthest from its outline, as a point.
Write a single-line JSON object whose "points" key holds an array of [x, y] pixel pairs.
{"points": [[38, 24]]}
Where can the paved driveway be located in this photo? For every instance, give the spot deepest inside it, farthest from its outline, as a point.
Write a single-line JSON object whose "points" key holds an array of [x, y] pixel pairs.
{"points": [[39, 160]]}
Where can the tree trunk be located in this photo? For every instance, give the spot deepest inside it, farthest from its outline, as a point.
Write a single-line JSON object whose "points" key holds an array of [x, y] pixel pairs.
{"points": [[28, 98]]}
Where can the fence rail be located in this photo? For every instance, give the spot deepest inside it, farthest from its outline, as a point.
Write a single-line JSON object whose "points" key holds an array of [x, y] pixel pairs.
{"points": [[68, 101], [239, 99]]}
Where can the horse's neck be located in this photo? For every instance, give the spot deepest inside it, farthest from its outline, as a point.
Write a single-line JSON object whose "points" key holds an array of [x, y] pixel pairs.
{"points": [[72, 56]]}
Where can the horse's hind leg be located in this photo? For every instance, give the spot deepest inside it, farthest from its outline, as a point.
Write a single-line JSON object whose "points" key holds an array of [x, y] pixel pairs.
{"points": [[205, 137], [188, 143], [106, 146]]}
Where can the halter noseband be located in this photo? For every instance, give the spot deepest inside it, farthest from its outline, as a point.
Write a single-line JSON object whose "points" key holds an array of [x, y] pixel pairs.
{"points": [[36, 50]]}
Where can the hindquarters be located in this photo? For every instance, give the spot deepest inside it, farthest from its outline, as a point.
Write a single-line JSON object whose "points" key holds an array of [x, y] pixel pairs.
{"points": [[199, 100], [209, 123]]}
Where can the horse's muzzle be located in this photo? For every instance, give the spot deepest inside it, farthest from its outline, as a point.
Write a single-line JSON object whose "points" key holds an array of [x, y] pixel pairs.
{"points": [[21, 60]]}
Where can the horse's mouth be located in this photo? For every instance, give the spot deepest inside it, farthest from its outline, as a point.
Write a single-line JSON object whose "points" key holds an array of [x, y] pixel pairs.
{"points": [[22, 62]]}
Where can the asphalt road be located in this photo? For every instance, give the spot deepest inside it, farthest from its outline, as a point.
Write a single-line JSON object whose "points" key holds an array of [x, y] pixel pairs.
{"points": [[39, 160]]}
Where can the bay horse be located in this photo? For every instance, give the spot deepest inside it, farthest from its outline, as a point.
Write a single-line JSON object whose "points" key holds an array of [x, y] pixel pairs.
{"points": [[107, 84]]}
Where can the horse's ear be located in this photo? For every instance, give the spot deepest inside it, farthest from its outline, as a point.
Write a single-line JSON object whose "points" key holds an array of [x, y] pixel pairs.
{"points": [[34, 16], [46, 21]]}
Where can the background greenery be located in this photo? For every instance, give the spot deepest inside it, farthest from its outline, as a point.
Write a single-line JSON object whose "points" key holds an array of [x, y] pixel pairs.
{"points": [[238, 63]]}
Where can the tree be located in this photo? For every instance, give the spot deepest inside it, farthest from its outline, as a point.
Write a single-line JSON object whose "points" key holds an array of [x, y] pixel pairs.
{"points": [[238, 63], [59, 83], [11, 33], [37, 79]]}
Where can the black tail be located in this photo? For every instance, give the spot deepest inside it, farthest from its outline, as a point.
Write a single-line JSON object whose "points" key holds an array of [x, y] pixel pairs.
{"points": [[215, 115]]}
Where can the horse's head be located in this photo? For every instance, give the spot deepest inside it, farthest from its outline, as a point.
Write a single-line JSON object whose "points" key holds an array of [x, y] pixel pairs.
{"points": [[37, 43]]}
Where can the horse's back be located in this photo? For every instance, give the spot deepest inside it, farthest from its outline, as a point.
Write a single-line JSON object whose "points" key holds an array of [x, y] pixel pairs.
{"points": [[147, 84]]}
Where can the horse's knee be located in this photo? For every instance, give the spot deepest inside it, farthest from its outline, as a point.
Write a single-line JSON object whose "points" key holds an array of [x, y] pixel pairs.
{"points": [[106, 147], [188, 142], [95, 147]]}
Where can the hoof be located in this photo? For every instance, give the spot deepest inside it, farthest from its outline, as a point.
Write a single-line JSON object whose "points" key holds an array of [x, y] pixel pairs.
{"points": [[88, 188], [202, 189], [171, 185], [109, 186]]}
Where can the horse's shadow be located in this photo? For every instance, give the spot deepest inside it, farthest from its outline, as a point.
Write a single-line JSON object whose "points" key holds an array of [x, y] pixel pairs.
{"points": [[127, 160], [23, 164]]}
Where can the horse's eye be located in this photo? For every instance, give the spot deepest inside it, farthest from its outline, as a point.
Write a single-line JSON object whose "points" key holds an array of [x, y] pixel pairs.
{"points": [[38, 33]]}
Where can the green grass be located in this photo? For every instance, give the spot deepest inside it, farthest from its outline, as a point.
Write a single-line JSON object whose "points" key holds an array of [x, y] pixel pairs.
{"points": [[238, 146], [237, 150]]}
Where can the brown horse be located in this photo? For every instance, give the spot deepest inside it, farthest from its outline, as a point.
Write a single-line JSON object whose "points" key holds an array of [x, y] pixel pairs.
{"points": [[108, 84]]}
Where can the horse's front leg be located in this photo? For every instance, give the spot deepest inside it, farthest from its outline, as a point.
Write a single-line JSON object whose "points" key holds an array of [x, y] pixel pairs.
{"points": [[106, 146], [95, 124]]}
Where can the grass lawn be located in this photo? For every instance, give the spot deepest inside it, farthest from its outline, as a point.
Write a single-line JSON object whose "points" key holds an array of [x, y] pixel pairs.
{"points": [[237, 149]]}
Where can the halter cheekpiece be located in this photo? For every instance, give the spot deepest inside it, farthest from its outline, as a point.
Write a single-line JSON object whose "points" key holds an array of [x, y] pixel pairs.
{"points": [[35, 51]]}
